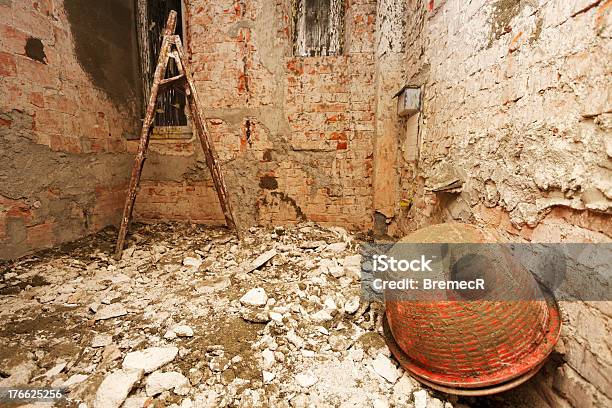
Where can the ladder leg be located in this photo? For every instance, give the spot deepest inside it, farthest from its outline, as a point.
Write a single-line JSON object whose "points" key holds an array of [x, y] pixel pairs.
{"points": [[160, 71], [207, 146]]}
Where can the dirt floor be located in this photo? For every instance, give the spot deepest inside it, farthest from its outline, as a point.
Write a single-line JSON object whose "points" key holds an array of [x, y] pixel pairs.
{"points": [[190, 317]]}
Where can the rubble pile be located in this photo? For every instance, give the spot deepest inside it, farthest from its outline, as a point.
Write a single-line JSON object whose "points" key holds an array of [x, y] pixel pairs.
{"points": [[192, 317]]}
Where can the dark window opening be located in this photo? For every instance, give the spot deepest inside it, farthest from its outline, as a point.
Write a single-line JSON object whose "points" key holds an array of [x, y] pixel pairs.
{"points": [[170, 108], [319, 28]]}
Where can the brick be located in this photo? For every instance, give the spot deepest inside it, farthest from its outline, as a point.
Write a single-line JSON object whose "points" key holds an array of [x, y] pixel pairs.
{"points": [[41, 235], [8, 66]]}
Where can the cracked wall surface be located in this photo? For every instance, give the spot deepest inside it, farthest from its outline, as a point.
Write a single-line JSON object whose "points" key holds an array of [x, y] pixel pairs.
{"points": [[517, 108], [515, 134], [62, 125], [294, 135]]}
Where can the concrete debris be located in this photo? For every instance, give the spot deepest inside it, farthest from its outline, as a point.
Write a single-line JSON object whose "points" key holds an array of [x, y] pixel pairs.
{"points": [[255, 297], [268, 376], [194, 263], [336, 247], [183, 331], [352, 305], [149, 359], [306, 380], [385, 368], [268, 358], [380, 403], [109, 311], [74, 380], [420, 399], [291, 332], [212, 285], [115, 388], [101, 340], [55, 370], [158, 382], [259, 261]]}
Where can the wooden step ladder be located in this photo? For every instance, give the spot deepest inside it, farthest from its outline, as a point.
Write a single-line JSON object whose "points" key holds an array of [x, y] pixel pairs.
{"points": [[172, 48]]}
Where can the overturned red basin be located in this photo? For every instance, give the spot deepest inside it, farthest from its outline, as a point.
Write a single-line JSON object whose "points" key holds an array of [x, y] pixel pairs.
{"points": [[476, 346]]}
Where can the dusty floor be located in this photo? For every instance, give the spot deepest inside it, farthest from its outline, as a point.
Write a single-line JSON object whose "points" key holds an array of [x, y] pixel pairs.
{"points": [[71, 316]]}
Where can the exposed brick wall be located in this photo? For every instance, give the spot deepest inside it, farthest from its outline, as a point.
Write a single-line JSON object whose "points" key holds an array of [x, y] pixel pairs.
{"points": [[62, 139], [294, 135]]}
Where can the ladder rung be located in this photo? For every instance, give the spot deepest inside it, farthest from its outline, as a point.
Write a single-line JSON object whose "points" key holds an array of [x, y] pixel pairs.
{"points": [[169, 82]]}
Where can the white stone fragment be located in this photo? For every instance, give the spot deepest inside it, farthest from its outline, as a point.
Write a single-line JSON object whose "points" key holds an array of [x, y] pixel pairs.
{"points": [[260, 260], [55, 370], [352, 267], [277, 317], [149, 359], [183, 331], [380, 402], [254, 297], [336, 271], [352, 305], [74, 380], [336, 247], [306, 380], [192, 262], [101, 340], [385, 368], [322, 316], [116, 387], [420, 399], [268, 358], [404, 386], [268, 376], [110, 311], [158, 382]]}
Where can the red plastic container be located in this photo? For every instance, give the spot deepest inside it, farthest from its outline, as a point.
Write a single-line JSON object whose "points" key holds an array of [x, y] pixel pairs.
{"points": [[473, 347]]}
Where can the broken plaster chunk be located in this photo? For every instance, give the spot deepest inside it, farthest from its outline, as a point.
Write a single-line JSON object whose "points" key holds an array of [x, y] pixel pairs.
{"points": [[352, 305], [74, 380], [336, 247], [255, 297], [183, 331], [158, 382], [192, 262], [110, 311], [420, 399], [306, 380], [268, 358], [55, 370], [116, 387], [385, 368], [212, 285], [149, 359], [101, 340], [268, 376], [322, 316], [260, 261], [294, 339]]}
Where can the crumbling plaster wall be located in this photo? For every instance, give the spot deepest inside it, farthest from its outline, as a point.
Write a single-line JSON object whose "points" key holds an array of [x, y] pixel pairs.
{"points": [[294, 134], [67, 99], [517, 102], [517, 107]]}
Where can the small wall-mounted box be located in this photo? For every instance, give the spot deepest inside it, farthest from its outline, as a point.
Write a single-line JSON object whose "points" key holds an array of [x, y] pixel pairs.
{"points": [[408, 100]]}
